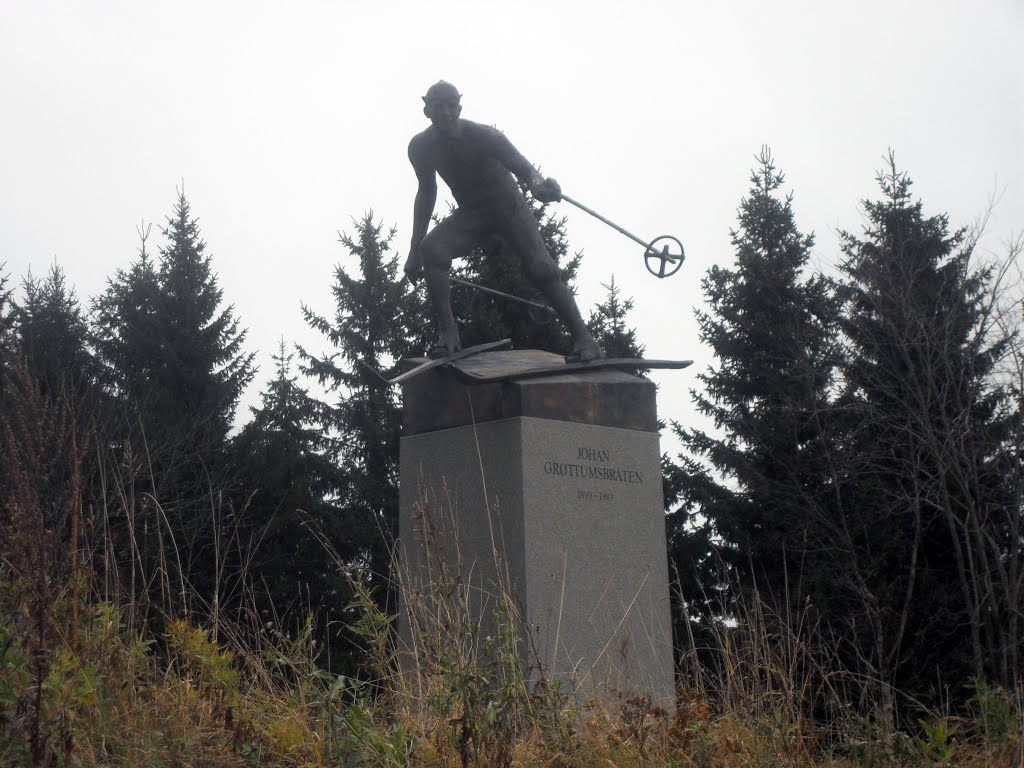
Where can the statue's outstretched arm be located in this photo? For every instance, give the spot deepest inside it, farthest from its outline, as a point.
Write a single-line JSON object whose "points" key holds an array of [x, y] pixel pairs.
{"points": [[546, 190]]}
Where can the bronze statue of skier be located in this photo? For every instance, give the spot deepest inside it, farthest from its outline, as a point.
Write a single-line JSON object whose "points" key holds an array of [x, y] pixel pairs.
{"points": [[478, 163]]}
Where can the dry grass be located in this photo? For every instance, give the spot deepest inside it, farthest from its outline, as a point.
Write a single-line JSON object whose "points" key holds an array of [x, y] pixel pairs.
{"points": [[85, 680], [119, 698]]}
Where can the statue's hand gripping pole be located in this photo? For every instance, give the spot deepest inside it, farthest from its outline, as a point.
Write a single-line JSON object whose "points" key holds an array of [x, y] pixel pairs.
{"points": [[652, 254]]}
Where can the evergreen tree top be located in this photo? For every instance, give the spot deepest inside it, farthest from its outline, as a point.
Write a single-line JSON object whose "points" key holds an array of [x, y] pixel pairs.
{"points": [[166, 340], [769, 327], [52, 334], [913, 299], [900, 246], [5, 292], [286, 407], [377, 319], [608, 324]]}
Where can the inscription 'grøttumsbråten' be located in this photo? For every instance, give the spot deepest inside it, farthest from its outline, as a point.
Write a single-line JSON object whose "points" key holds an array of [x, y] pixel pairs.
{"points": [[592, 472]]}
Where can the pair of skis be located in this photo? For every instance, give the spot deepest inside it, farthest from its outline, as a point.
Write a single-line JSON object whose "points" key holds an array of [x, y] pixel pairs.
{"points": [[534, 372]]}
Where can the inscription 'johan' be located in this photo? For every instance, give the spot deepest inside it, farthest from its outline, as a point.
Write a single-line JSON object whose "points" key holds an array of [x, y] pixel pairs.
{"points": [[593, 454]]}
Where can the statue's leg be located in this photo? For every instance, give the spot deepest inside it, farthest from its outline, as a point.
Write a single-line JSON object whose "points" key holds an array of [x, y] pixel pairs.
{"points": [[455, 236], [520, 229]]}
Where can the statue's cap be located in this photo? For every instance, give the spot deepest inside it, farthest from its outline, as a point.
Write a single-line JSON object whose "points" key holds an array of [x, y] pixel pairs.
{"points": [[442, 89]]}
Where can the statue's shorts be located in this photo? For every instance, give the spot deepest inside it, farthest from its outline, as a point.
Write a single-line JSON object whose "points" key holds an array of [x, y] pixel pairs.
{"points": [[471, 225]]}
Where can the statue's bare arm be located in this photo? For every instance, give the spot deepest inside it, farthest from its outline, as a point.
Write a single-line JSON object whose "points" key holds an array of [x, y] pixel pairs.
{"points": [[423, 207], [544, 189]]}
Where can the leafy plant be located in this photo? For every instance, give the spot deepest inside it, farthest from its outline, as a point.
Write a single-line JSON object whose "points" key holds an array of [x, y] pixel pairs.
{"points": [[936, 741]]}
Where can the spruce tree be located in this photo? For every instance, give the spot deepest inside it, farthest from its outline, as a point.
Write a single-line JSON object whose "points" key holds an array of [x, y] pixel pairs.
{"points": [[49, 349], [293, 534], [7, 358], [5, 301], [205, 368], [763, 482], [930, 519], [175, 367], [6, 328], [607, 323], [377, 320], [46, 426], [127, 338], [52, 337]]}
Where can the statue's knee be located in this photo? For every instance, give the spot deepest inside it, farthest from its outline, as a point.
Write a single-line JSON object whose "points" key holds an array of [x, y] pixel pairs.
{"points": [[542, 271], [433, 255]]}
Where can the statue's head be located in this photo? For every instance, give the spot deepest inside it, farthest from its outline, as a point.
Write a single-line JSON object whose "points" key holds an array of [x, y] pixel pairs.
{"points": [[442, 105]]}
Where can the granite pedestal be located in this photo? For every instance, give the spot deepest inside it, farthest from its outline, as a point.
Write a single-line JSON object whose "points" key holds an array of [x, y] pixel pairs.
{"points": [[549, 490]]}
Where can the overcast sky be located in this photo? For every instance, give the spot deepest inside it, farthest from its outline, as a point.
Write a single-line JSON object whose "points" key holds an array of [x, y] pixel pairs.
{"points": [[285, 120]]}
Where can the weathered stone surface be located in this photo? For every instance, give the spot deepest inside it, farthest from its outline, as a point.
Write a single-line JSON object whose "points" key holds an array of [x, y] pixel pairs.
{"points": [[564, 515]]}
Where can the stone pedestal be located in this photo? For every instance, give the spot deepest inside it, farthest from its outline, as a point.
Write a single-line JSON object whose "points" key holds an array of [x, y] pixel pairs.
{"points": [[549, 490]]}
